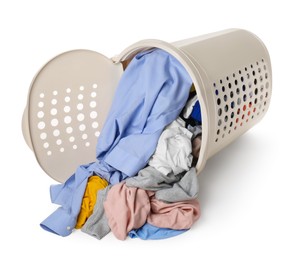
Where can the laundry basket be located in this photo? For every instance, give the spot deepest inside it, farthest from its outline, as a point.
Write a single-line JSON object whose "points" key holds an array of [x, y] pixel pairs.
{"points": [[70, 96]]}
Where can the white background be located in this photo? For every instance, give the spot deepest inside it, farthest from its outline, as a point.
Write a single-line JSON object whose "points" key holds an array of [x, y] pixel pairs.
{"points": [[244, 190]]}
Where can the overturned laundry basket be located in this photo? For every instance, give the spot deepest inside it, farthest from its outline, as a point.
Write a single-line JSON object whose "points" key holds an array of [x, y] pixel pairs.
{"points": [[70, 96]]}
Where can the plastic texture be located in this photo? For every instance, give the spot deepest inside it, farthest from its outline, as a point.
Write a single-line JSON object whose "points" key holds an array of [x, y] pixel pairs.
{"points": [[67, 105], [70, 97]]}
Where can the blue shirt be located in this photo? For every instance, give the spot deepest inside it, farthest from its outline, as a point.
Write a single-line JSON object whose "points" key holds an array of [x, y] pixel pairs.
{"points": [[69, 195], [150, 232], [151, 93]]}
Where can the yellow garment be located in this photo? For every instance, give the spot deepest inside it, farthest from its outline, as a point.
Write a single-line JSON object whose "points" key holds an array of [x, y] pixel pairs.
{"points": [[95, 183], [192, 89]]}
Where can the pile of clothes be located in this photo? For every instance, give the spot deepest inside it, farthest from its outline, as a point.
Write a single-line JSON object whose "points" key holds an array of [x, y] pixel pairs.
{"points": [[143, 182]]}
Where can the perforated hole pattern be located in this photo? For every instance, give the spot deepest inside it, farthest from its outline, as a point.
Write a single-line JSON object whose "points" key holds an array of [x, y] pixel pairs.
{"points": [[240, 97], [52, 119]]}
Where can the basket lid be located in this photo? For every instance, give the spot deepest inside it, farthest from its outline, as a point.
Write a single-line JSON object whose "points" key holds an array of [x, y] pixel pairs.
{"points": [[67, 105]]}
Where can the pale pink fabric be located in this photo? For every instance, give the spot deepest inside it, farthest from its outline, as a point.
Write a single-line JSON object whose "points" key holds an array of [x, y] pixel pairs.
{"points": [[126, 208], [177, 215]]}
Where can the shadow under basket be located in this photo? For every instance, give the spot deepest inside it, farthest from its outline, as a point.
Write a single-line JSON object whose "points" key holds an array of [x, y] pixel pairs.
{"points": [[70, 96]]}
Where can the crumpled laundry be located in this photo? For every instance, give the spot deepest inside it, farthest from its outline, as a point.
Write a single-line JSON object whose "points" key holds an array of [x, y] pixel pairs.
{"points": [[185, 189], [126, 208], [150, 232], [170, 188], [150, 178], [97, 224], [159, 87], [174, 149], [135, 123], [69, 195], [195, 130], [94, 184], [192, 109], [176, 215], [191, 113], [129, 208]]}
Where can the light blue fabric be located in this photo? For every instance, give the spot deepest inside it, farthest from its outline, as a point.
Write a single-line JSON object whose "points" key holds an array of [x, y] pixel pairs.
{"points": [[151, 93], [69, 195], [150, 232]]}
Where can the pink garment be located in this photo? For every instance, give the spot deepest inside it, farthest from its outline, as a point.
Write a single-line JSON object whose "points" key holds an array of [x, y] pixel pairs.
{"points": [[177, 215], [126, 208]]}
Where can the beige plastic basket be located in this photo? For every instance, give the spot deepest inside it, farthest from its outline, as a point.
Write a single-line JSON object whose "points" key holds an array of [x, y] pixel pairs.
{"points": [[70, 96]]}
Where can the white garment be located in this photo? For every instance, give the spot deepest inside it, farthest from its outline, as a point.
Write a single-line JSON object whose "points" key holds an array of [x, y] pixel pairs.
{"points": [[174, 150], [189, 106]]}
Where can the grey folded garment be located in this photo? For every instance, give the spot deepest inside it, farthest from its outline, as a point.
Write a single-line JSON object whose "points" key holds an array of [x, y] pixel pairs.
{"points": [[151, 179], [97, 224], [185, 189], [195, 130], [169, 188]]}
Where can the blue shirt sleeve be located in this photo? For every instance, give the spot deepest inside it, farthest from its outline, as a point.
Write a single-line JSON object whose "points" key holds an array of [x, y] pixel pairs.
{"points": [[69, 195]]}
